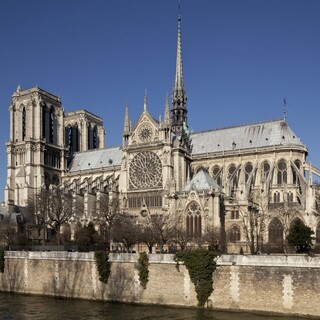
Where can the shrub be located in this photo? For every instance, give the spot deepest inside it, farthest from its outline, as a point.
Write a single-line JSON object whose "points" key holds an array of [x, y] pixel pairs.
{"points": [[143, 269], [200, 264], [103, 265]]}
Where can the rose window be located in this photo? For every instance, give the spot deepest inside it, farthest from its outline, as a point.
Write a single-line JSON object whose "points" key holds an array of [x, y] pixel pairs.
{"points": [[145, 171]]}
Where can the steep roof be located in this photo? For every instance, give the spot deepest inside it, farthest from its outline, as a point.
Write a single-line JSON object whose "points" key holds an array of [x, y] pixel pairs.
{"points": [[201, 181], [263, 134], [94, 159], [258, 135]]}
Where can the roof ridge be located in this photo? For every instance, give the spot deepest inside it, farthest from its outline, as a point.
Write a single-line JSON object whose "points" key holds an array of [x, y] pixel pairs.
{"points": [[238, 126], [98, 149]]}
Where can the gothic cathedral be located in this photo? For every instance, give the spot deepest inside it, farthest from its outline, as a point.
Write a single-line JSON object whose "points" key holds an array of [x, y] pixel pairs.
{"points": [[210, 179]]}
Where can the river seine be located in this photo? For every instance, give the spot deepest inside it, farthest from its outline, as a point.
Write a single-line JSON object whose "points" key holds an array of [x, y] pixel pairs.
{"points": [[20, 307]]}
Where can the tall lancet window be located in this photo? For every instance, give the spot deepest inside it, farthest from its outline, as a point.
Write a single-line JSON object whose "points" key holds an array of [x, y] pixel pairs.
{"points": [[95, 138], [23, 124], [51, 126], [193, 222]]}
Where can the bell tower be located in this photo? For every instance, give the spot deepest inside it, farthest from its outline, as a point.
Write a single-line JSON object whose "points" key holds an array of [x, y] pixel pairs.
{"points": [[35, 151]]}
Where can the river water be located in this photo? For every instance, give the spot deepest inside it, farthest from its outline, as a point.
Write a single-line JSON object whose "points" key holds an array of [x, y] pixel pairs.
{"points": [[21, 307]]}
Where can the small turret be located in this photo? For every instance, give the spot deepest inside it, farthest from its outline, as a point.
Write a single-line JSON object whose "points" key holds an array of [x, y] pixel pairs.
{"points": [[166, 118], [126, 127]]}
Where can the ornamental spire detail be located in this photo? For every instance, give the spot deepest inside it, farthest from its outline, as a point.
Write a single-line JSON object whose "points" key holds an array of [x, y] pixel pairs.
{"points": [[127, 122], [166, 117], [179, 110], [178, 84]]}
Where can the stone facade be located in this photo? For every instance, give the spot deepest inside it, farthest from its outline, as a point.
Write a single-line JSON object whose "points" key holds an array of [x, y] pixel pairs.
{"points": [[272, 284], [213, 179]]}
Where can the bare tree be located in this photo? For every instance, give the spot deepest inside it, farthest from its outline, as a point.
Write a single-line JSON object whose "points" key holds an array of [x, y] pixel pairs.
{"points": [[180, 236], [52, 208], [8, 231], [163, 228], [109, 209], [212, 237], [253, 216], [126, 231], [285, 212], [146, 236]]}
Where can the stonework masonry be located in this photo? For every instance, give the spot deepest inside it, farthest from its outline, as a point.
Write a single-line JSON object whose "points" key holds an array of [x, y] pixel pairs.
{"points": [[281, 284]]}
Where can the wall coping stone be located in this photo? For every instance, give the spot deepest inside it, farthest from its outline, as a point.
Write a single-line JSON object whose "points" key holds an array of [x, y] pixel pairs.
{"points": [[292, 260], [87, 256], [297, 261]]}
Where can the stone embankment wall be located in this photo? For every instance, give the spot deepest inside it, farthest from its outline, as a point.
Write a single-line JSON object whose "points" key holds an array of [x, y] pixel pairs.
{"points": [[282, 284]]}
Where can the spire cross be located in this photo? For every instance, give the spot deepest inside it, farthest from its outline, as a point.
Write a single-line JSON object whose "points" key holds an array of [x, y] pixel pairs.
{"points": [[145, 100]]}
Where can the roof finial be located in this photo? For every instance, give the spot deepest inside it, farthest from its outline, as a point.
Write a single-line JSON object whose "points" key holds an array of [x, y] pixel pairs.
{"points": [[145, 100], [127, 122], [284, 109]]}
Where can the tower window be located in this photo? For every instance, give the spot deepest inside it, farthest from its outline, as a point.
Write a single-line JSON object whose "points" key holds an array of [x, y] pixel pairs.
{"points": [[51, 126], [23, 124]]}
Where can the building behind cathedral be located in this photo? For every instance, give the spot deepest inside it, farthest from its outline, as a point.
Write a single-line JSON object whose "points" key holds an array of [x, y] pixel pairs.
{"points": [[209, 179]]}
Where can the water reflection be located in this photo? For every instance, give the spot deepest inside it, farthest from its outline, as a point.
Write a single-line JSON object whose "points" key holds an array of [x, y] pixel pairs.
{"points": [[20, 307]]}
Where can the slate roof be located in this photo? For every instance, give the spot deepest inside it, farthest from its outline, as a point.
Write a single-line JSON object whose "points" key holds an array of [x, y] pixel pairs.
{"points": [[95, 159], [264, 134], [201, 181], [258, 135]]}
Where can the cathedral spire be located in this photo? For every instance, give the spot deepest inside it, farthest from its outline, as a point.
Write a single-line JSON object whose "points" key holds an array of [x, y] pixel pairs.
{"points": [[178, 83], [179, 98]]}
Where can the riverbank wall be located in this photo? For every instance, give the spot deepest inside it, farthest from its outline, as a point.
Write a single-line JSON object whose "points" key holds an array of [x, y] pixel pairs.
{"points": [[280, 284]]}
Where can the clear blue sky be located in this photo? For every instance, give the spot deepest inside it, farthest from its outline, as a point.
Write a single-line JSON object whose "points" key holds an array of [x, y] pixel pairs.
{"points": [[240, 59]]}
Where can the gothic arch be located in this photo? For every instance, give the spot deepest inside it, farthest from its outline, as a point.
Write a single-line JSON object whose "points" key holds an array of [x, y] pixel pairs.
{"points": [[24, 123], [275, 231], [193, 220], [234, 233], [282, 172]]}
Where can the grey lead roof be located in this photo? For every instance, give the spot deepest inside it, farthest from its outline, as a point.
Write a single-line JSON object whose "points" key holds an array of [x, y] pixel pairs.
{"points": [[201, 181], [257, 135], [94, 159]]}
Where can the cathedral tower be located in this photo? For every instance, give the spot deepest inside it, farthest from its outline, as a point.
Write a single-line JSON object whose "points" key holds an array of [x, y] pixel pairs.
{"points": [[36, 154]]}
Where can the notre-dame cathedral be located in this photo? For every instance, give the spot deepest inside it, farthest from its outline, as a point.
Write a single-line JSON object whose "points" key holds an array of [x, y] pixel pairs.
{"points": [[212, 178]]}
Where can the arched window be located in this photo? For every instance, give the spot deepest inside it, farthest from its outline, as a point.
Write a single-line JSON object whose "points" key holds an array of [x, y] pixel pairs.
{"points": [[275, 231], [217, 173], [24, 118], [44, 121], [265, 170], [247, 171], [234, 181], [290, 196], [282, 172], [51, 126], [193, 220], [234, 234], [95, 138], [276, 197]]}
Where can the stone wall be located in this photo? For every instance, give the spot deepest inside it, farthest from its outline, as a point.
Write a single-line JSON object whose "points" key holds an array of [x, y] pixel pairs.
{"points": [[282, 284]]}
